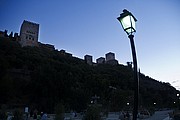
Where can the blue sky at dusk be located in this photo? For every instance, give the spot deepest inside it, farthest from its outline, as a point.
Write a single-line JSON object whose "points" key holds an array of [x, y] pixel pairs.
{"points": [[91, 27]]}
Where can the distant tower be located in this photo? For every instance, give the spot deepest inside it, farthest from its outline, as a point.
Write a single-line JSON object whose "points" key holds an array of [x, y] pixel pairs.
{"points": [[110, 59], [88, 59], [29, 34], [100, 60], [110, 56]]}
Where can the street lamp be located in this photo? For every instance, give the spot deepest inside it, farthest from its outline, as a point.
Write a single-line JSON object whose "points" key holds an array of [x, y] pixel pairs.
{"points": [[178, 100], [127, 21], [177, 94]]}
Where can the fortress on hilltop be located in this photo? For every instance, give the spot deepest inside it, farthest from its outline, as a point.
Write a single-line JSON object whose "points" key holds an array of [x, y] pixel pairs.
{"points": [[29, 32], [28, 36]]}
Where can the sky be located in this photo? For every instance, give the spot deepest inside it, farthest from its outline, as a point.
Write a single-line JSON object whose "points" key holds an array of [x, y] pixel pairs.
{"points": [[91, 27]]}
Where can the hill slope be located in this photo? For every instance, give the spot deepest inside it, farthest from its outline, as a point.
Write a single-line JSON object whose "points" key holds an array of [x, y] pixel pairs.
{"points": [[41, 78]]}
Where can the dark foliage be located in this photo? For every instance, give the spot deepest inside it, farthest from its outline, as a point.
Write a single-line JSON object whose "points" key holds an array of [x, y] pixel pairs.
{"points": [[41, 78]]}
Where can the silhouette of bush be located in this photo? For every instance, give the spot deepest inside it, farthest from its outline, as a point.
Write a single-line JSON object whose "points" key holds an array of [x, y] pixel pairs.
{"points": [[18, 115], [177, 117], [92, 113], [3, 115], [59, 111]]}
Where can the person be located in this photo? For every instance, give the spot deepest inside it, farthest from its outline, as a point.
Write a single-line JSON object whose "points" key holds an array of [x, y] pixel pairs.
{"points": [[38, 117], [35, 115], [26, 112], [121, 115], [44, 117], [9, 116], [27, 115], [127, 115], [31, 113], [75, 114]]}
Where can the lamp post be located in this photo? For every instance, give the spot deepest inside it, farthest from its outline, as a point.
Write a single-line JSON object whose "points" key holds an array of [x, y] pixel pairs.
{"points": [[178, 100], [127, 21]]}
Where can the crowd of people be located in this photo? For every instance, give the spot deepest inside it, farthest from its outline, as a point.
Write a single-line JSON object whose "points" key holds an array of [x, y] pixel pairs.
{"points": [[35, 115]]}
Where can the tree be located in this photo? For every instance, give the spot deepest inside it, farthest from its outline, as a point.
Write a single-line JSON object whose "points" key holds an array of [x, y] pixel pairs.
{"points": [[59, 111]]}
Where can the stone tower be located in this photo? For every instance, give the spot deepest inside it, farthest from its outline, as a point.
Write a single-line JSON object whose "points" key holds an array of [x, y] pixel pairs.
{"points": [[100, 60], [29, 34], [88, 59], [110, 59], [110, 56]]}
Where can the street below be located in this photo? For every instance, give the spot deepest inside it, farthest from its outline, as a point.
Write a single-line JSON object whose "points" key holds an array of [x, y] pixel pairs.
{"points": [[160, 115]]}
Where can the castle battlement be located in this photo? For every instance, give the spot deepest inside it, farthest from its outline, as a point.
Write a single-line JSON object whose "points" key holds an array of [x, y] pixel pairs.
{"points": [[110, 59]]}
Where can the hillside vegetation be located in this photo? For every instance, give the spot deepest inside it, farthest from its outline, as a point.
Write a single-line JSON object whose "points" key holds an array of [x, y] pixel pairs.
{"points": [[40, 78]]}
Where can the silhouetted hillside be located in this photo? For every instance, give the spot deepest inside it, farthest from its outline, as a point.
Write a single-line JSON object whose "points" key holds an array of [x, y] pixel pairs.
{"points": [[42, 78]]}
